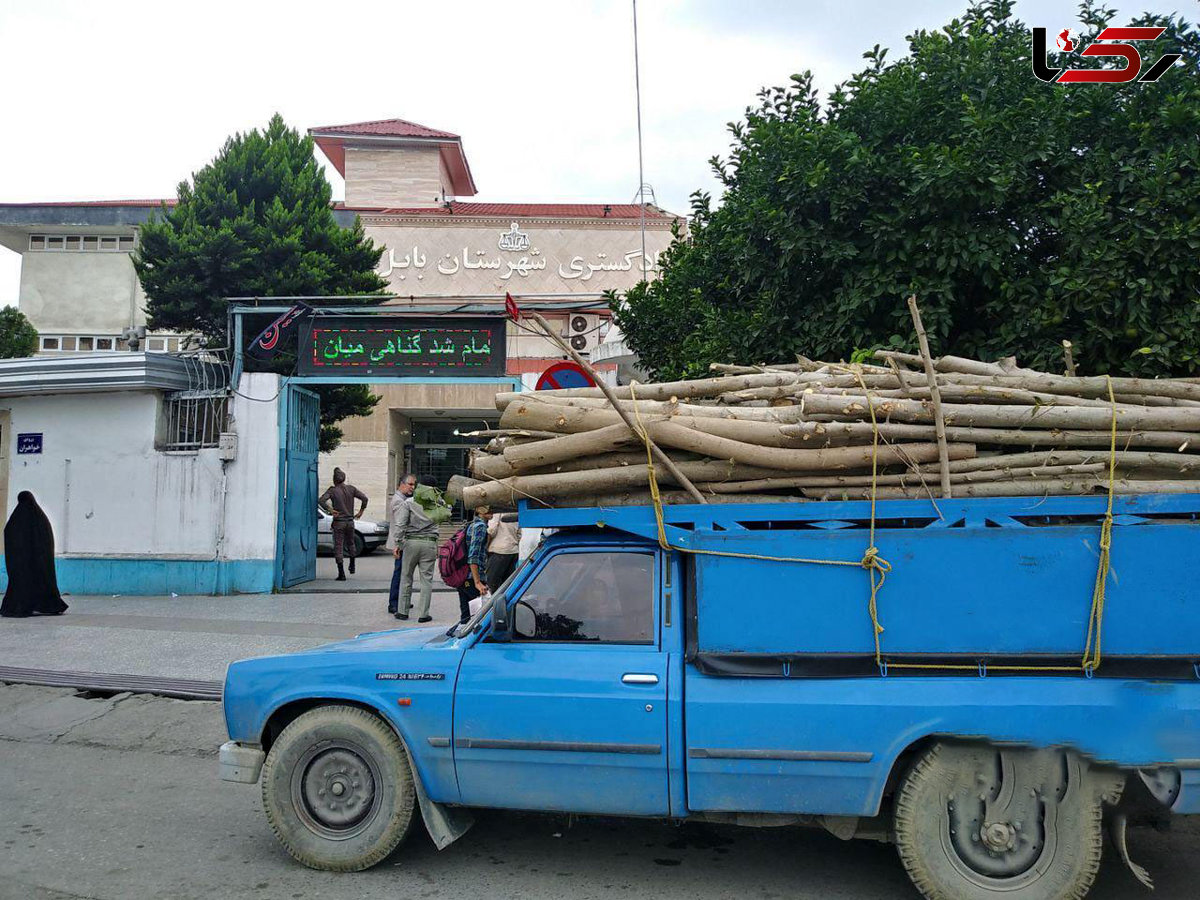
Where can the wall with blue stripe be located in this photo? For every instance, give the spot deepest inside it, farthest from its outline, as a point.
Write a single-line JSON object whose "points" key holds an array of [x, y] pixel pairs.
{"points": [[161, 577]]}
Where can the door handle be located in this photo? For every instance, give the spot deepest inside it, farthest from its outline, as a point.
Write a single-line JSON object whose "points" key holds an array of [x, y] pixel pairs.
{"points": [[639, 678]]}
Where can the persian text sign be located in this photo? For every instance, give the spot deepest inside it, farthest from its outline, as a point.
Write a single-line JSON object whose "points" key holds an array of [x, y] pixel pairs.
{"points": [[403, 346]]}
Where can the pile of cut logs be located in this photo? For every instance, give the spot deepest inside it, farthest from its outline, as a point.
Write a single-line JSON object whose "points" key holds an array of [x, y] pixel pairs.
{"points": [[804, 431], [906, 426]]}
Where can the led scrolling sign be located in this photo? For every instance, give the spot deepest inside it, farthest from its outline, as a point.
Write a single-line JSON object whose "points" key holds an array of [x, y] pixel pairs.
{"points": [[403, 346]]}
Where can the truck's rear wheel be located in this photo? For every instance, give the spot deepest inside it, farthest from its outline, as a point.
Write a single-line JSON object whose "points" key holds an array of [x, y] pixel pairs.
{"points": [[982, 823], [337, 789]]}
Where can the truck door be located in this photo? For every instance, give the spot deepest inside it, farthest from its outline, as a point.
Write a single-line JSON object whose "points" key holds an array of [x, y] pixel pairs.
{"points": [[570, 714]]}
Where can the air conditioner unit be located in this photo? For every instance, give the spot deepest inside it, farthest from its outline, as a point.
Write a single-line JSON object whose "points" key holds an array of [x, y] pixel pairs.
{"points": [[582, 331]]}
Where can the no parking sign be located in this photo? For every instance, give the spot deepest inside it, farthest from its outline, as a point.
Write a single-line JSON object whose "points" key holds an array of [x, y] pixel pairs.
{"points": [[564, 375]]}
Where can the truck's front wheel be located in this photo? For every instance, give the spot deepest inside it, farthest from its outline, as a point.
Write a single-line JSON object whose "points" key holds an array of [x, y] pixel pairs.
{"points": [[981, 823], [337, 789]]}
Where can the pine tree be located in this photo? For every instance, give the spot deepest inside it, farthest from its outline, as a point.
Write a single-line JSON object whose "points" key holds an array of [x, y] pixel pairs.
{"points": [[256, 222]]}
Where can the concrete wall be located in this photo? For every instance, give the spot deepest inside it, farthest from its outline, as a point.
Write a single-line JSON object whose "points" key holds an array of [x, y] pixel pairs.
{"points": [[80, 293], [396, 177], [131, 519]]}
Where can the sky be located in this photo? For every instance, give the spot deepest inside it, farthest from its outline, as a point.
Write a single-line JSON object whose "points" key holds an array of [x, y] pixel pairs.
{"points": [[124, 100]]}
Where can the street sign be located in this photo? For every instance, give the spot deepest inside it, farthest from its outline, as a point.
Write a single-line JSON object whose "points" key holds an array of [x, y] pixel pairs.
{"points": [[564, 375], [402, 345], [29, 443]]}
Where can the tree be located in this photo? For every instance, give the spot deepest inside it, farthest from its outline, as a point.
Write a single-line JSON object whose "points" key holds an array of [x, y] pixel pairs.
{"points": [[17, 336], [257, 222], [1020, 213]]}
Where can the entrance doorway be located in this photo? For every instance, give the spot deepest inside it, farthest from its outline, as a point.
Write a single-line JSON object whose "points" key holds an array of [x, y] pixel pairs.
{"points": [[441, 449]]}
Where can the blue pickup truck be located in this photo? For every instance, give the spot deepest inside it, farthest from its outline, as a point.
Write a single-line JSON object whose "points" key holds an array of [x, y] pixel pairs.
{"points": [[963, 689]]}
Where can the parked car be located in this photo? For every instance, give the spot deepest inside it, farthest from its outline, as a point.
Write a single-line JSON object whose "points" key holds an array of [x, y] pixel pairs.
{"points": [[368, 535]]}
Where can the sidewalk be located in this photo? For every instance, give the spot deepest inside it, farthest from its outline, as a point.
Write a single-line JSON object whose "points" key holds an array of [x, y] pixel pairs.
{"points": [[197, 637]]}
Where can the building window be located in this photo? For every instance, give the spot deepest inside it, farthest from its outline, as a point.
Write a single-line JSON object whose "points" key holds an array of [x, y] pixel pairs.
{"points": [[87, 243], [70, 343], [194, 423]]}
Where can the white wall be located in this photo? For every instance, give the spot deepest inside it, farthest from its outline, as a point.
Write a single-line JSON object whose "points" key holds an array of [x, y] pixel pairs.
{"points": [[109, 492], [80, 293]]}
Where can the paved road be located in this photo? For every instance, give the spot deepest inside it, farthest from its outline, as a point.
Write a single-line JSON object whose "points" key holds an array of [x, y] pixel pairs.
{"points": [[118, 800]]}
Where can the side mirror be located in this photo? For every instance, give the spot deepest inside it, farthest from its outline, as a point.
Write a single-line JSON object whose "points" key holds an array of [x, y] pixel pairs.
{"points": [[500, 620], [524, 620]]}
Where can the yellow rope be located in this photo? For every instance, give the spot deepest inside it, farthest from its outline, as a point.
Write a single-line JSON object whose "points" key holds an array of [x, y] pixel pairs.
{"points": [[1091, 647], [878, 567]]}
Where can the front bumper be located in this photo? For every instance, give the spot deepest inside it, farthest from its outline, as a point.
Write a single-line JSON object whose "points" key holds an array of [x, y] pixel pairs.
{"points": [[240, 763]]}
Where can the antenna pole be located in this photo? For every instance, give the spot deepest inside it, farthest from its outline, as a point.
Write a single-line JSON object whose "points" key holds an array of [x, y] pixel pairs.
{"points": [[637, 84]]}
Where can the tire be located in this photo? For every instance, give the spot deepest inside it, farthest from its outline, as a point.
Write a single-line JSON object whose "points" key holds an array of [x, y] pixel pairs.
{"points": [[976, 822], [360, 545], [349, 753]]}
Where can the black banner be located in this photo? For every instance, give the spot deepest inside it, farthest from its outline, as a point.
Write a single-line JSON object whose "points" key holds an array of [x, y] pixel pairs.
{"points": [[442, 346]]}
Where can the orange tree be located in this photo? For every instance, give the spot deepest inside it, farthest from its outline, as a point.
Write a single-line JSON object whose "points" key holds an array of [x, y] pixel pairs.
{"points": [[1020, 212]]}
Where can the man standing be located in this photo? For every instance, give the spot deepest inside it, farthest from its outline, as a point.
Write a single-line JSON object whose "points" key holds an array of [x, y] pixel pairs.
{"points": [[341, 498], [476, 586], [413, 539], [504, 539]]}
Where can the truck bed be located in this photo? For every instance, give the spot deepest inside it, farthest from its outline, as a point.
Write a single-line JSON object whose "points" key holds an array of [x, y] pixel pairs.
{"points": [[986, 583]]}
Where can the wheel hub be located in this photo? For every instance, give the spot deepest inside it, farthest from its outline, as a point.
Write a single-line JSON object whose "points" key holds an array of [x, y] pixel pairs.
{"points": [[1000, 818], [336, 787], [998, 836]]}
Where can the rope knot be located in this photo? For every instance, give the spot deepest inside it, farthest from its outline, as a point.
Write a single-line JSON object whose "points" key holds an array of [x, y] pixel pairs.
{"points": [[872, 560]]}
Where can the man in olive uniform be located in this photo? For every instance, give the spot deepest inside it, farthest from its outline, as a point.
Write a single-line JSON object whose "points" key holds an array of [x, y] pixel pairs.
{"points": [[341, 498]]}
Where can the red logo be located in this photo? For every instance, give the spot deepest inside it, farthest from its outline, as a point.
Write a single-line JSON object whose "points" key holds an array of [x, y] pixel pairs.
{"points": [[1109, 42]]}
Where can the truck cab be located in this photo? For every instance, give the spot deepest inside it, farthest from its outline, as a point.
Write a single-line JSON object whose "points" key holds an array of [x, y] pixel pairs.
{"points": [[624, 671]]}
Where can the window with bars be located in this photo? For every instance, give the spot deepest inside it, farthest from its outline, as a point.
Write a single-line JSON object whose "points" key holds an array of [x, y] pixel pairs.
{"points": [[194, 422]]}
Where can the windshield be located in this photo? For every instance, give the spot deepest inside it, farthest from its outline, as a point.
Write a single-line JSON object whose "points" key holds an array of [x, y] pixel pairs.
{"points": [[467, 627]]}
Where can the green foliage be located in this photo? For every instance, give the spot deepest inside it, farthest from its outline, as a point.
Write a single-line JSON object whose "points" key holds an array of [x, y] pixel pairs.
{"points": [[17, 336], [430, 499], [1020, 213], [256, 222]]}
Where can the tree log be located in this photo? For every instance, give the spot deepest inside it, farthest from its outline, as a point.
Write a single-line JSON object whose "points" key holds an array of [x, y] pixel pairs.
{"points": [[815, 433], [1087, 386], [520, 412], [935, 397], [908, 479], [572, 420], [699, 387], [1126, 459], [601, 481], [1024, 488], [976, 415], [673, 435], [563, 447], [668, 498]]}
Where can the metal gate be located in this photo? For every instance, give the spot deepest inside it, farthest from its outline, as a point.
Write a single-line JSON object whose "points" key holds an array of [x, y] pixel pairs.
{"points": [[298, 483]]}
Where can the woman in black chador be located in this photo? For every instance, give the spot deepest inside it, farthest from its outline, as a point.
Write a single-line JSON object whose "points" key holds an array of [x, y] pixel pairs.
{"points": [[29, 559]]}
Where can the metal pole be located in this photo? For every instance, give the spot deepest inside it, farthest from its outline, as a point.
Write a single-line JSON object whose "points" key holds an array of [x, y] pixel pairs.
{"points": [[637, 84]]}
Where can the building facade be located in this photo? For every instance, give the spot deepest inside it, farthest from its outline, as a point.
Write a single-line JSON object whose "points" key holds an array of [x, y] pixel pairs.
{"points": [[443, 255]]}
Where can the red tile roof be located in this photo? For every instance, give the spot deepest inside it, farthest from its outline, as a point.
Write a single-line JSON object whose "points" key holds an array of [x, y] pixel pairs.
{"points": [[526, 210], [386, 128]]}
